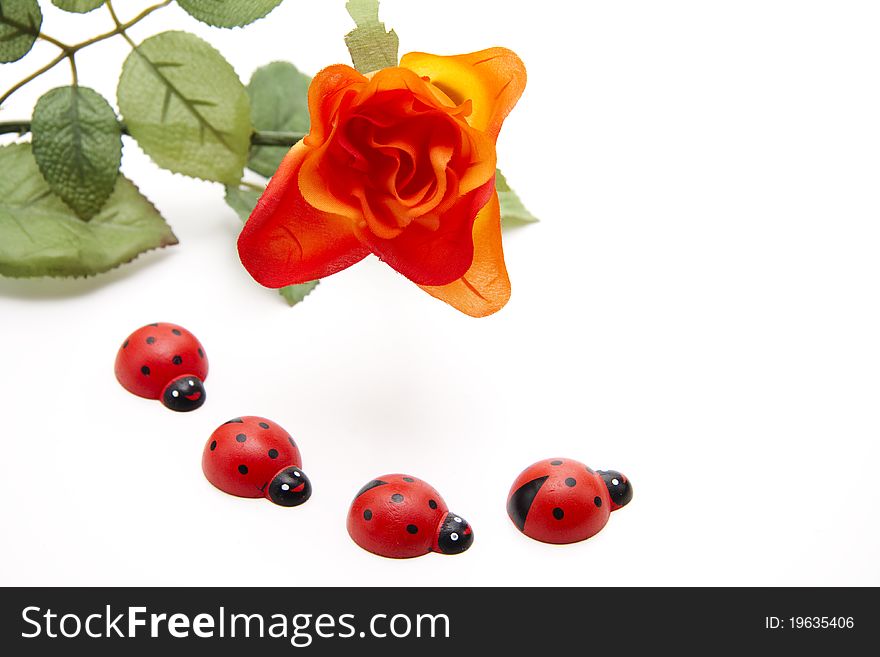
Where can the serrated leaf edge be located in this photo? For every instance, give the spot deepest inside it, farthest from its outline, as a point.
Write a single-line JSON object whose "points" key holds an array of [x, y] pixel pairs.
{"points": [[171, 240], [305, 296]]}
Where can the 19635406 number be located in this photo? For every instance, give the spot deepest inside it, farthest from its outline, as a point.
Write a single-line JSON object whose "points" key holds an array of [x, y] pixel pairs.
{"points": [[821, 622]]}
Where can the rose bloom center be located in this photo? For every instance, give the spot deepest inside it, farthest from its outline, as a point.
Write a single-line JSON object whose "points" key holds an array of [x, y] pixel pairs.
{"points": [[406, 157]]}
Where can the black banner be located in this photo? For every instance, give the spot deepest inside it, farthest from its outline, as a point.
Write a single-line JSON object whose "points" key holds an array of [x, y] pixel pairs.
{"points": [[451, 621]]}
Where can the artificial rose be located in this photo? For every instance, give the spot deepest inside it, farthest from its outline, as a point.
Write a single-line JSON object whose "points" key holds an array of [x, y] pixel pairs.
{"points": [[399, 163]]}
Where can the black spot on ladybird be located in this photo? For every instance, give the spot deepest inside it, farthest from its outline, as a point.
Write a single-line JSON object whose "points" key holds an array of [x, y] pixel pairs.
{"points": [[558, 513], [555, 462], [125, 344], [156, 324], [412, 529], [368, 515], [235, 420], [571, 482], [177, 360], [241, 437], [151, 340], [201, 353], [291, 441], [176, 332], [397, 497], [432, 504], [243, 469], [408, 479], [213, 445], [597, 501], [273, 453], [264, 425], [145, 370]]}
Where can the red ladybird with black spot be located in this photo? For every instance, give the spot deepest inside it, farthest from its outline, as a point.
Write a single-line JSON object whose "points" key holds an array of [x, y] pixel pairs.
{"points": [[564, 501], [166, 362], [254, 457], [399, 516]]}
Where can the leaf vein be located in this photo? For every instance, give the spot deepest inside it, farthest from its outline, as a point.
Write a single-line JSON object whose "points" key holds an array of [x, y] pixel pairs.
{"points": [[193, 109]]}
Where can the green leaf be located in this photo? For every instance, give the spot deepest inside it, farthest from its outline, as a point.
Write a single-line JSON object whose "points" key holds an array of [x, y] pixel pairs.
{"points": [[186, 107], [20, 22], [243, 201], [371, 46], [293, 294], [279, 96], [40, 236], [513, 212], [78, 6], [77, 143], [228, 13]]}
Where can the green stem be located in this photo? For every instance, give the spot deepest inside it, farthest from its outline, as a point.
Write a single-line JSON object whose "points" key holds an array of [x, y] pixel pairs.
{"points": [[121, 27], [258, 137], [253, 186], [11, 127], [73, 71], [32, 76], [113, 15], [273, 138], [70, 51], [55, 42]]}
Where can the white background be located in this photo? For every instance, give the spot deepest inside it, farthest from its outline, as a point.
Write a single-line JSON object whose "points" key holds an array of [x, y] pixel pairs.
{"points": [[698, 309]]}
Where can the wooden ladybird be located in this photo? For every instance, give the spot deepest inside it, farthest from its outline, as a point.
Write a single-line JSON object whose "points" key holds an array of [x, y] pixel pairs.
{"points": [[255, 457], [166, 362], [399, 516], [564, 501]]}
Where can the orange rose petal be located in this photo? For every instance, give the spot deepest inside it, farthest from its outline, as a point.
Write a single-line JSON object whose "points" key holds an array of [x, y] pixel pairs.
{"points": [[313, 187], [434, 257], [325, 97], [492, 79], [484, 161], [286, 241], [485, 288]]}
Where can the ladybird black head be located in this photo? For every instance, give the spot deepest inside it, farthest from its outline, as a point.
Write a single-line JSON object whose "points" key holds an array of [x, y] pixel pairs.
{"points": [[455, 536], [619, 488], [185, 393], [290, 487]]}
